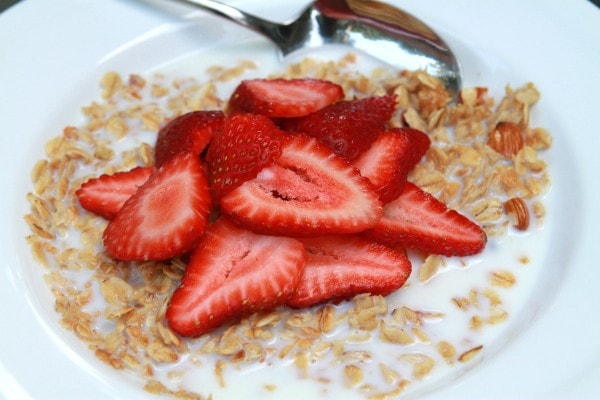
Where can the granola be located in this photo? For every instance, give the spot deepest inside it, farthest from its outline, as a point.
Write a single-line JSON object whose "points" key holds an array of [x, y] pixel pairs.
{"points": [[484, 156]]}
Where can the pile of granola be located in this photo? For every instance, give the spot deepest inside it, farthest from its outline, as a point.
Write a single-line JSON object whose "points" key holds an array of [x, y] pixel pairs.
{"points": [[485, 160]]}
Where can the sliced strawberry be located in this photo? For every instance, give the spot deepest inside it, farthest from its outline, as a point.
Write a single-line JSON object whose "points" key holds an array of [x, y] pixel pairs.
{"points": [[284, 97], [234, 272], [390, 158], [166, 216], [106, 194], [308, 191], [340, 267], [244, 145], [188, 132], [348, 127], [418, 220]]}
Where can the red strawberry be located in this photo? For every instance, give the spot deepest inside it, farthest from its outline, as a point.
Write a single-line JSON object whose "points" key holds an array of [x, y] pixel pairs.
{"points": [[166, 216], [106, 194], [418, 220], [348, 127], [234, 272], [283, 97], [340, 267], [191, 131], [390, 158], [308, 191], [244, 145]]}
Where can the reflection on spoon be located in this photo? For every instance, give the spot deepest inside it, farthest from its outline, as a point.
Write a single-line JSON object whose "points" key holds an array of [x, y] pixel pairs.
{"points": [[375, 28]]}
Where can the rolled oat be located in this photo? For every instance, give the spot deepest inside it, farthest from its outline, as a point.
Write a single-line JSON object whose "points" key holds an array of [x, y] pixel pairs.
{"points": [[462, 167]]}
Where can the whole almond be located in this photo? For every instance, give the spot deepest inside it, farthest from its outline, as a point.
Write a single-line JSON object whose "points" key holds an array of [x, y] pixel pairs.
{"points": [[516, 209], [506, 138]]}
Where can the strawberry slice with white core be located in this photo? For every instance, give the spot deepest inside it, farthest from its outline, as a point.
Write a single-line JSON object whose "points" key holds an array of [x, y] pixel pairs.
{"points": [[106, 194], [418, 220], [276, 98], [234, 272], [166, 216], [307, 191], [340, 267]]}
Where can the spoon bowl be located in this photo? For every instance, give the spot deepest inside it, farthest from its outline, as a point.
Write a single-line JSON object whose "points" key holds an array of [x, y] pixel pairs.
{"points": [[372, 27]]}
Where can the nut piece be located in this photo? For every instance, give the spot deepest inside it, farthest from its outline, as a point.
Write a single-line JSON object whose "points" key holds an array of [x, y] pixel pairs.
{"points": [[506, 139], [516, 209]]}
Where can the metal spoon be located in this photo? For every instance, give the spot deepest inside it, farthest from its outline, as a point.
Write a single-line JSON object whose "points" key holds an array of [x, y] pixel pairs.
{"points": [[377, 29]]}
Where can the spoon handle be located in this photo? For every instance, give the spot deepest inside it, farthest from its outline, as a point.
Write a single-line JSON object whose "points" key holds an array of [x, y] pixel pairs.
{"points": [[250, 21]]}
